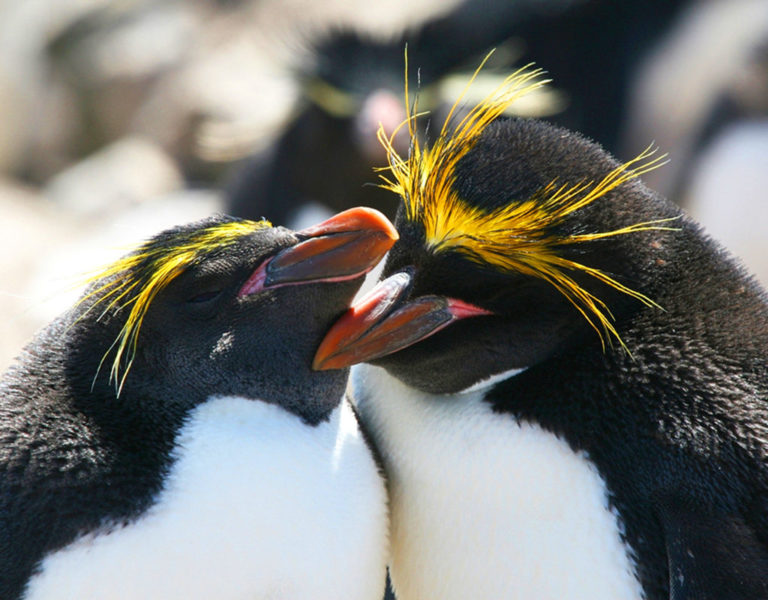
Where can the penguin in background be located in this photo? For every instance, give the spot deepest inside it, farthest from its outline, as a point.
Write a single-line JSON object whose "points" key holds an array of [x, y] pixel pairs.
{"points": [[567, 380], [351, 82], [166, 437]]}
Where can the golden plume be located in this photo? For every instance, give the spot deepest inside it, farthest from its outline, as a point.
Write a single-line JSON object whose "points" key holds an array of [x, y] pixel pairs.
{"points": [[132, 282], [515, 237]]}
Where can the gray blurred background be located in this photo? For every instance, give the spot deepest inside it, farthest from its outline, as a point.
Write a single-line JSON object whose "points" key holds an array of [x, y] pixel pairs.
{"points": [[119, 118]]}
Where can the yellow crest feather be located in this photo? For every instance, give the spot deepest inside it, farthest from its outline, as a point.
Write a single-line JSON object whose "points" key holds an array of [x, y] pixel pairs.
{"points": [[133, 282], [513, 237]]}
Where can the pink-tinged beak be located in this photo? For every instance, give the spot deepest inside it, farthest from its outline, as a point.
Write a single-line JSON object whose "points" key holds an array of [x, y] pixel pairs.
{"points": [[346, 246], [383, 322]]}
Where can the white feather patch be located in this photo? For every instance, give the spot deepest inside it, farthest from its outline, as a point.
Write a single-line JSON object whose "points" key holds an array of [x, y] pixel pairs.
{"points": [[484, 507], [484, 384], [258, 505]]}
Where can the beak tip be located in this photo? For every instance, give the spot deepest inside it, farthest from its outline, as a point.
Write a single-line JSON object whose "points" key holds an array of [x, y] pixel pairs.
{"points": [[346, 246], [374, 220], [322, 364], [360, 218]]}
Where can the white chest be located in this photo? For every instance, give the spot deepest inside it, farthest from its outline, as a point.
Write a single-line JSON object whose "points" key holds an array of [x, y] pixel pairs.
{"points": [[258, 506], [485, 508]]}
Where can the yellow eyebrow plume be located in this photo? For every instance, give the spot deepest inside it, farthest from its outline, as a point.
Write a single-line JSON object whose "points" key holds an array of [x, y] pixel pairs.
{"points": [[518, 236], [133, 282]]}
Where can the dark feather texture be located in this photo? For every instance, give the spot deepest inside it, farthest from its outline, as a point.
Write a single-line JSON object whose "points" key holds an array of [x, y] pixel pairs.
{"points": [[80, 451], [675, 418]]}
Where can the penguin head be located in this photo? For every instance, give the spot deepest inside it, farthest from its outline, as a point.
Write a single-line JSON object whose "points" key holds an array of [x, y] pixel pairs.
{"points": [[518, 240], [223, 307]]}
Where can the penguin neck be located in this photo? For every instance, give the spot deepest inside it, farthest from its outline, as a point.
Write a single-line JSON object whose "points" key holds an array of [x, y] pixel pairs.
{"points": [[486, 505]]}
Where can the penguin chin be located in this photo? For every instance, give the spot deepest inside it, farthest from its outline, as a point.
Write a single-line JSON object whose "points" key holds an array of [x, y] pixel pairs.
{"points": [[315, 402], [310, 395], [469, 352]]}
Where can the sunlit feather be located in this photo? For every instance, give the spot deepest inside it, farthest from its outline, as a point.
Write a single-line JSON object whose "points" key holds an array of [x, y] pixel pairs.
{"points": [[517, 237], [134, 281]]}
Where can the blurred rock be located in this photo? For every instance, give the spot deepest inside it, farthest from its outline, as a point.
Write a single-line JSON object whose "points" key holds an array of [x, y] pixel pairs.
{"points": [[702, 97], [701, 60], [232, 97], [13, 111], [54, 251], [27, 80], [127, 172], [97, 241], [31, 230], [209, 81], [728, 193], [109, 61]]}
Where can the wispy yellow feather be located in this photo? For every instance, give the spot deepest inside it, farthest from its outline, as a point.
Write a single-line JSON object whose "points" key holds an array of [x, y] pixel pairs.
{"points": [[133, 282], [515, 237]]}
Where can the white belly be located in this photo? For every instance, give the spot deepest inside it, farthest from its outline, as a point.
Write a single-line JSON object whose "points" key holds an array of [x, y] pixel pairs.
{"points": [[485, 508], [258, 506]]}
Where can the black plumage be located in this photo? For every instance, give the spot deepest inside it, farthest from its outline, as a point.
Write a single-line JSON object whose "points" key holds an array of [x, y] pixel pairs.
{"points": [[88, 424], [671, 406]]}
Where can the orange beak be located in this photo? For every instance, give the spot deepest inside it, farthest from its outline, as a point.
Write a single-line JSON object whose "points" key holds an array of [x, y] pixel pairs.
{"points": [[346, 246], [383, 322]]}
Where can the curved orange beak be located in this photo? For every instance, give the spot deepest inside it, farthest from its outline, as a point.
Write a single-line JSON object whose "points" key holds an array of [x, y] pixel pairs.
{"points": [[383, 322], [346, 246]]}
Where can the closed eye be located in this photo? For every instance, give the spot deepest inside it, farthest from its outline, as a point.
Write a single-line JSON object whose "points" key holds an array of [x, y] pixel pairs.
{"points": [[204, 297]]}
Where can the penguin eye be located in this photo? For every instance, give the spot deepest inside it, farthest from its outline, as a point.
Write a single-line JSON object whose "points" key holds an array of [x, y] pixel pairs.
{"points": [[204, 297]]}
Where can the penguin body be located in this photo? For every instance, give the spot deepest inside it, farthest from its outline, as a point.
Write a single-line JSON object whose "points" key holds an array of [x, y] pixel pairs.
{"points": [[166, 436], [228, 523], [565, 359], [512, 498]]}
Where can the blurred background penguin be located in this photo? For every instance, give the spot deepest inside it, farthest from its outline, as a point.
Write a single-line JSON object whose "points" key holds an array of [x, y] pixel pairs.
{"points": [[122, 117]]}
